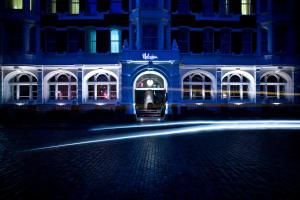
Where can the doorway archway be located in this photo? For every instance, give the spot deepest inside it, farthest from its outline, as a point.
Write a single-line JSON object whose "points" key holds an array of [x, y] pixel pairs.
{"points": [[150, 94]]}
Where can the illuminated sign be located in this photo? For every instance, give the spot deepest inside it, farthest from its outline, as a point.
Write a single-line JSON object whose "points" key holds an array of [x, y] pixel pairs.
{"points": [[147, 56]]}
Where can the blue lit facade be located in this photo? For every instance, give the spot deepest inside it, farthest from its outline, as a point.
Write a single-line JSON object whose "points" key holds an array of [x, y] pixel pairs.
{"points": [[148, 55]]}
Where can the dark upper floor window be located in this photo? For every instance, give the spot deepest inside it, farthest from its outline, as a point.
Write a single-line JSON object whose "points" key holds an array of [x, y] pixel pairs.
{"points": [[280, 6], [247, 42], [264, 5], [280, 33], [32, 40], [208, 41], [150, 37], [225, 41], [264, 41], [183, 6], [146, 4], [15, 37], [183, 40]]}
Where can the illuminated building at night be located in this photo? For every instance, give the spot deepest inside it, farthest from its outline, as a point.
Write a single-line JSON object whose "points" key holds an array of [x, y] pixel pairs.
{"points": [[148, 55]]}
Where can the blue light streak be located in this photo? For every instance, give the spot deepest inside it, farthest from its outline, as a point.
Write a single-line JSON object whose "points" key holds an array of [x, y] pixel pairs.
{"points": [[188, 123], [212, 127]]}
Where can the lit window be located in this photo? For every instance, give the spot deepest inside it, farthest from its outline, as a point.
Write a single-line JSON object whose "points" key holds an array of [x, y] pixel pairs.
{"points": [[30, 4], [23, 87], [246, 7], [115, 38], [197, 86], [272, 86], [235, 86], [91, 41], [75, 4], [53, 6], [62, 87], [227, 7], [102, 87], [16, 4]]}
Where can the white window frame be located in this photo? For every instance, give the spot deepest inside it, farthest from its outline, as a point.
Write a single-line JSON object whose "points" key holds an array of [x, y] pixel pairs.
{"points": [[69, 84], [108, 84], [277, 85], [18, 84], [241, 85], [190, 83]]}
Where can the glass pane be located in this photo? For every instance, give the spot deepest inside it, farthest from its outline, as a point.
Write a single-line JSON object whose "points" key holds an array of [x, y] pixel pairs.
{"points": [[245, 92], [24, 92], [62, 92], [73, 92], [262, 91], [92, 41], [102, 92], [115, 41], [197, 78], [16, 4], [235, 91], [196, 91], [224, 92], [272, 91], [91, 91], [24, 78], [208, 92], [235, 78], [282, 91], [62, 78], [74, 7], [102, 78], [113, 88]]}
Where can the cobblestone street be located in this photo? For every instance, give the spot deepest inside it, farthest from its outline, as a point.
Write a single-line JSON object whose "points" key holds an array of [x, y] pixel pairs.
{"points": [[215, 165]]}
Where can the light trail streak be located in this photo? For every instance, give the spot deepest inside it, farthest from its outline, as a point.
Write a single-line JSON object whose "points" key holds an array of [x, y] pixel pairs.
{"points": [[185, 130], [195, 122]]}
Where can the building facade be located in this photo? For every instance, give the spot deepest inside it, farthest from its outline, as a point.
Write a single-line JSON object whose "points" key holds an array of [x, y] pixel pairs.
{"points": [[148, 55]]}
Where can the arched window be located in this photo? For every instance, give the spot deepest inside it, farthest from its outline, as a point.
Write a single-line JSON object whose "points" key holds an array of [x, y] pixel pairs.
{"points": [[235, 86], [102, 86], [62, 86], [197, 86], [272, 86], [23, 87]]}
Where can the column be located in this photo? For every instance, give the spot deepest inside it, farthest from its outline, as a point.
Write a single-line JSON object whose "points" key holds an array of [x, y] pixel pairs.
{"points": [[40, 77], [258, 40], [1, 85], [26, 38], [79, 85], [257, 77], [161, 36], [139, 35], [270, 38], [131, 37], [37, 40], [219, 84]]}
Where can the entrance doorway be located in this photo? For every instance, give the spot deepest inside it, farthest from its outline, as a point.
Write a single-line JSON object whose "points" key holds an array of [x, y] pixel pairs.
{"points": [[150, 96]]}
